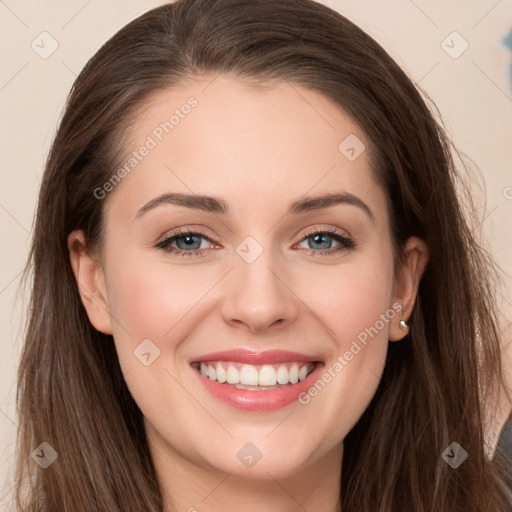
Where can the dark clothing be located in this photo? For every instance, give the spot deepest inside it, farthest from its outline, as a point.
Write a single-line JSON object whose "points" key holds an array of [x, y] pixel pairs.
{"points": [[504, 448]]}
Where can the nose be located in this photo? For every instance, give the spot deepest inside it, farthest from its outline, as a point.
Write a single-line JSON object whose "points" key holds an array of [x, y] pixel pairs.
{"points": [[258, 296]]}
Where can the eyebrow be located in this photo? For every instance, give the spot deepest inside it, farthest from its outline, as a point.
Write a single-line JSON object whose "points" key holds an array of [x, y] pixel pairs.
{"points": [[219, 206]]}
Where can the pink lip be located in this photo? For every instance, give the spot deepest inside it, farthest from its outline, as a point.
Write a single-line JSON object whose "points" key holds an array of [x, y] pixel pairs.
{"points": [[241, 355], [258, 401]]}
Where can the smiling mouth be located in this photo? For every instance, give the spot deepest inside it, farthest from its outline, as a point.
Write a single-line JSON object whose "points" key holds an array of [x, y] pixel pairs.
{"points": [[251, 377]]}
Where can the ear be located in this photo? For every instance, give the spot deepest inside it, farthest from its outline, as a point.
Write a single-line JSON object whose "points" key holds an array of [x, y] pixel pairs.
{"points": [[406, 283], [90, 280]]}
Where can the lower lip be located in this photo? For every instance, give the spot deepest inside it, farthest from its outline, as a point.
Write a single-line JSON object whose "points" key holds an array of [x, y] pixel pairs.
{"points": [[260, 401]]}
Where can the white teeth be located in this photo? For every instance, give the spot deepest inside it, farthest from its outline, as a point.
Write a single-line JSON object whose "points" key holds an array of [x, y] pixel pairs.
{"points": [[303, 372], [233, 375], [293, 374], [212, 374], [267, 375], [282, 375], [221, 373], [248, 375]]}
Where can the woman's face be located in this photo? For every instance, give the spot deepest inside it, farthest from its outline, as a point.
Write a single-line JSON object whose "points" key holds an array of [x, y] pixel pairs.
{"points": [[252, 295]]}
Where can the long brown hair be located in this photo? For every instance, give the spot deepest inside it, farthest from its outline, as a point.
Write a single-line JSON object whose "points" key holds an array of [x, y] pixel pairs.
{"points": [[72, 393]]}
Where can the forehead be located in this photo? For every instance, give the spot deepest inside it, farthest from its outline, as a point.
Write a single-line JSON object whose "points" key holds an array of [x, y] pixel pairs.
{"points": [[253, 145]]}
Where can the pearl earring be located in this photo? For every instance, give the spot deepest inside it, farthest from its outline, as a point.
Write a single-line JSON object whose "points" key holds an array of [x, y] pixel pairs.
{"points": [[404, 326]]}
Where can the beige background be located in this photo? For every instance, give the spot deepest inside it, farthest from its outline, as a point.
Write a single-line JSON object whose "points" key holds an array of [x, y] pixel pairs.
{"points": [[473, 92]]}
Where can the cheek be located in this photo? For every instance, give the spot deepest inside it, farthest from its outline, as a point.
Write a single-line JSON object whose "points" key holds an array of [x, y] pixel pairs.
{"points": [[152, 302], [149, 294], [355, 306], [352, 299], [148, 301]]}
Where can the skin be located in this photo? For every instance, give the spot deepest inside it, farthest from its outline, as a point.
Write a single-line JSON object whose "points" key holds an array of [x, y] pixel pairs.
{"points": [[259, 149]]}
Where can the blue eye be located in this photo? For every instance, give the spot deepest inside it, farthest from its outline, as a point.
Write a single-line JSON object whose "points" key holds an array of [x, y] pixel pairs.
{"points": [[322, 238], [185, 241], [188, 243]]}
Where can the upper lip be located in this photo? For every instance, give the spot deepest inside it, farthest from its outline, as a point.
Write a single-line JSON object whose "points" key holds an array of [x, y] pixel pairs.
{"points": [[241, 355]]}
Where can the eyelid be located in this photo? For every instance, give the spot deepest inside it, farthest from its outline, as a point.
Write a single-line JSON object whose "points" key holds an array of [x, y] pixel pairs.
{"points": [[325, 229], [185, 230]]}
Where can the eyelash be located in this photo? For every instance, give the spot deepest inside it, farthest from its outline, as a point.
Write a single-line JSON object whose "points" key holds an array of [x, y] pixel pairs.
{"points": [[347, 243]]}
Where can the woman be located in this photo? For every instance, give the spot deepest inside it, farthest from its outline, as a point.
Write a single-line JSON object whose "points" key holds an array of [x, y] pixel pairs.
{"points": [[190, 346]]}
